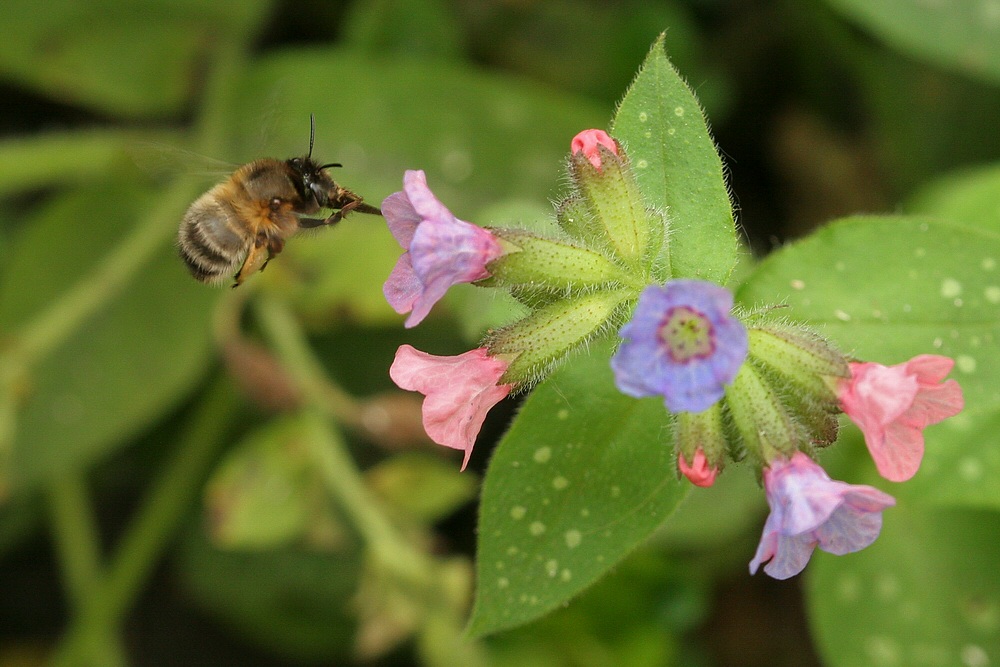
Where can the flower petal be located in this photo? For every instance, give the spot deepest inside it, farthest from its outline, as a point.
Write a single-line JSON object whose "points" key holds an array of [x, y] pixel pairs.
{"points": [[459, 391], [588, 142], [893, 404], [402, 288], [808, 509], [401, 218], [441, 250], [682, 343]]}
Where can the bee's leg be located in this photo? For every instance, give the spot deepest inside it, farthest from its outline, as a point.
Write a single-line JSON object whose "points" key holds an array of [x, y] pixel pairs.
{"points": [[334, 218], [274, 247], [255, 260]]}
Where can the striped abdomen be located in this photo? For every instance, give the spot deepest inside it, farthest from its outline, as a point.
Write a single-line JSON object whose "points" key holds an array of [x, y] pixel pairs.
{"points": [[211, 240]]}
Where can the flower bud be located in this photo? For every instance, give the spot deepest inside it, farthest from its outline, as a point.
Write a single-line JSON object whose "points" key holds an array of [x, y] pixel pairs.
{"points": [[621, 223], [549, 333], [800, 356], [700, 439], [533, 262], [763, 427]]}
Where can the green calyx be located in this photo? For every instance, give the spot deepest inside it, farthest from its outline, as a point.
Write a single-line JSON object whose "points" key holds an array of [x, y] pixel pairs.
{"points": [[608, 212], [782, 400], [702, 430], [581, 283], [537, 342], [535, 263]]}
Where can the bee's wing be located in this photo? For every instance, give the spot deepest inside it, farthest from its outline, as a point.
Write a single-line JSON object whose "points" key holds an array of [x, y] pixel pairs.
{"points": [[162, 160]]}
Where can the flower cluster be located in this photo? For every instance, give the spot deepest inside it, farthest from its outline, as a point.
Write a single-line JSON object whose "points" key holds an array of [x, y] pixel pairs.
{"points": [[736, 385], [577, 286]]}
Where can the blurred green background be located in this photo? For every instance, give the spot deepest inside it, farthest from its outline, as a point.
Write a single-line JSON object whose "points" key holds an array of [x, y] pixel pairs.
{"points": [[151, 451]]}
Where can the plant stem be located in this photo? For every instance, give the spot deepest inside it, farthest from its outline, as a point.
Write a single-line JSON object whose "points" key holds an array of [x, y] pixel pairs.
{"points": [[67, 157], [340, 473], [77, 541], [160, 516]]}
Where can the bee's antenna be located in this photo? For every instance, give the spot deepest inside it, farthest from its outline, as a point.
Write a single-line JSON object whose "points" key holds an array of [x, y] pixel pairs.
{"points": [[332, 164], [312, 133]]}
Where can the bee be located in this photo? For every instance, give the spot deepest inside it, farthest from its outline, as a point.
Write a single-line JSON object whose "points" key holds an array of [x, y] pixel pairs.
{"points": [[242, 223]]}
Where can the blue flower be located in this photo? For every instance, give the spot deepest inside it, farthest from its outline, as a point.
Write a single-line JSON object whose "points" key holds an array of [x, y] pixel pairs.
{"points": [[682, 344]]}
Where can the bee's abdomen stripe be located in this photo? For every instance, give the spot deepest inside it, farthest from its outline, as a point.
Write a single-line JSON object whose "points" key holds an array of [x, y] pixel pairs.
{"points": [[199, 270], [202, 247]]}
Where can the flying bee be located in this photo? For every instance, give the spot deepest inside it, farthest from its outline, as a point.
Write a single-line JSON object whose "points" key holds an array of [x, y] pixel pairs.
{"points": [[239, 225]]}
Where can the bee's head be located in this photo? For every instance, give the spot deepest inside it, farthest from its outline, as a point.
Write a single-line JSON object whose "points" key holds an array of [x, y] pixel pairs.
{"points": [[315, 181]]}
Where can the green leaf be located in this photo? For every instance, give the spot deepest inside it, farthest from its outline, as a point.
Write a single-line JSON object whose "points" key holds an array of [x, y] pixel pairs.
{"points": [[117, 56], [889, 288], [959, 35], [266, 493], [969, 196], [123, 367], [583, 476], [925, 593], [660, 122], [290, 601]]}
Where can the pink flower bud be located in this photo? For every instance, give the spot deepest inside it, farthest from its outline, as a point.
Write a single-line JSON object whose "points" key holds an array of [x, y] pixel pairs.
{"points": [[700, 472], [587, 142]]}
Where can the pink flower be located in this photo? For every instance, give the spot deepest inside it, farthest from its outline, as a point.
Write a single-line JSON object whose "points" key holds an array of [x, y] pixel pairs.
{"points": [[893, 404], [587, 142], [459, 392], [441, 250], [700, 472], [808, 509]]}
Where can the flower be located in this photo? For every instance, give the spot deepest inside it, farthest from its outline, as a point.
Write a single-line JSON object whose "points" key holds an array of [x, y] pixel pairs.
{"points": [[587, 142], [441, 250], [681, 343], [808, 509], [700, 472], [459, 392], [893, 404]]}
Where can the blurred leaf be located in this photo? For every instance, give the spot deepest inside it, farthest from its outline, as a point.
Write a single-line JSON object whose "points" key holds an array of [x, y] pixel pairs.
{"points": [[925, 593], [659, 599], [970, 196], [661, 125], [267, 493], [404, 27], [62, 158], [717, 515], [292, 602], [925, 121], [118, 56], [124, 366], [584, 475], [589, 46], [493, 136], [422, 487], [959, 35], [889, 288], [478, 135]]}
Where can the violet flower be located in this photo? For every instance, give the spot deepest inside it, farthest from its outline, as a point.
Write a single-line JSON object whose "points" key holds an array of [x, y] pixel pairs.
{"points": [[441, 250], [810, 510]]}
